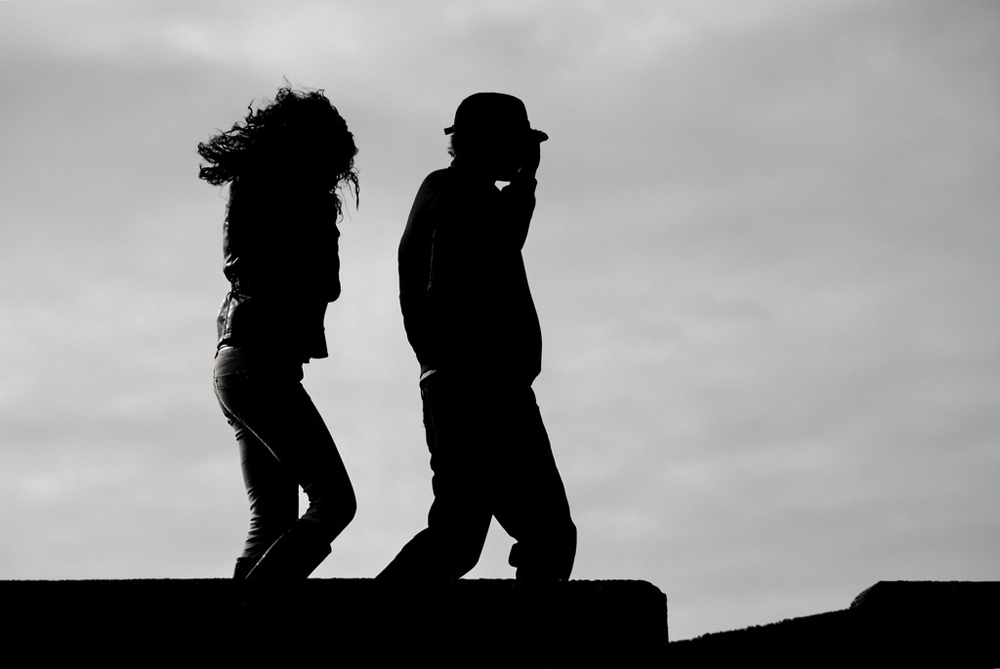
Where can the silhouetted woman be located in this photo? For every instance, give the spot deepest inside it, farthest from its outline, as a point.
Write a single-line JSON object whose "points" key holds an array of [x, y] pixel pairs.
{"points": [[285, 162]]}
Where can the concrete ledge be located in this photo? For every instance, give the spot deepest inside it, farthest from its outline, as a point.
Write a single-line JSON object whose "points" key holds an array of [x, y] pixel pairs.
{"points": [[360, 622], [891, 624]]}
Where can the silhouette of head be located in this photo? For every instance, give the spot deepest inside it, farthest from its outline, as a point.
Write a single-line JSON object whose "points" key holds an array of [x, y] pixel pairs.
{"points": [[299, 142], [490, 132]]}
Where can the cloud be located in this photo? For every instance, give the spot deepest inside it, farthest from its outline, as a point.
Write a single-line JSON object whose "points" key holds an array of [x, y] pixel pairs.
{"points": [[762, 255]]}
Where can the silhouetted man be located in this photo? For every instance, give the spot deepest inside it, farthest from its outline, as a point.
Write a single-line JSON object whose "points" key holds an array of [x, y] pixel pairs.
{"points": [[470, 319]]}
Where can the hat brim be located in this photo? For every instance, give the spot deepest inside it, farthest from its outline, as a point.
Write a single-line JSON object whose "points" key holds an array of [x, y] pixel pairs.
{"points": [[537, 135]]}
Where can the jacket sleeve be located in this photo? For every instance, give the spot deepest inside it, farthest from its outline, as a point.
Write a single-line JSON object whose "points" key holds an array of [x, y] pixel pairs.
{"points": [[517, 204], [414, 258], [478, 232]]}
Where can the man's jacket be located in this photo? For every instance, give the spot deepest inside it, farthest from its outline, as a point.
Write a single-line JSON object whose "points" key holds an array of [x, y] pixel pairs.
{"points": [[467, 309]]}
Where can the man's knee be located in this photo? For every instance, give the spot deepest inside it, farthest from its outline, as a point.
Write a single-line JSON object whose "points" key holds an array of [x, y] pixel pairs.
{"points": [[547, 556], [461, 553]]}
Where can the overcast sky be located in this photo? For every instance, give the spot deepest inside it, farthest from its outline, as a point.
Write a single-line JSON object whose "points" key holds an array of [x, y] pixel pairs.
{"points": [[765, 256]]}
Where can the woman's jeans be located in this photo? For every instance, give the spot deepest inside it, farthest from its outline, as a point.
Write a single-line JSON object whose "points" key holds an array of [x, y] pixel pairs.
{"points": [[284, 445]]}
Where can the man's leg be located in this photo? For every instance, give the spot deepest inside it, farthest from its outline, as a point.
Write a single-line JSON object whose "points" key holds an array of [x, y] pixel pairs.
{"points": [[531, 502], [459, 518]]}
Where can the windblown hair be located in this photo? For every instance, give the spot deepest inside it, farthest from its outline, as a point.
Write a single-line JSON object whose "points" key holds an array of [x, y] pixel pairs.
{"points": [[273, 136]]}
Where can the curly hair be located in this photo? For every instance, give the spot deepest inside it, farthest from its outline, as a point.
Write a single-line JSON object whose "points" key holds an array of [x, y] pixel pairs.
{"points": [[273, 138]]}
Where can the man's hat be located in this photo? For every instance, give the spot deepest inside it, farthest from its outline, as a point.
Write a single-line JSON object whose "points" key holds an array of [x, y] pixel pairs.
{"points": [[493, 112]]}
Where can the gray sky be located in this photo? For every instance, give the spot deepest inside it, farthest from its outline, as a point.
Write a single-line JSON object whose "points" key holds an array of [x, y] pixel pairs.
{"points": [[765, 256]]}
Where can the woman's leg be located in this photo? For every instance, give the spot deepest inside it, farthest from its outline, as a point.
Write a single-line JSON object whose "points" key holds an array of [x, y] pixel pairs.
{"points": [[272, 492], [268, 400]]}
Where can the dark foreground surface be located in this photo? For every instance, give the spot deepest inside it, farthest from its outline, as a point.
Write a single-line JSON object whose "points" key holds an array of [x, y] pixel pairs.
{"points": [[477, 623], [337, 622], [947, 624]]}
